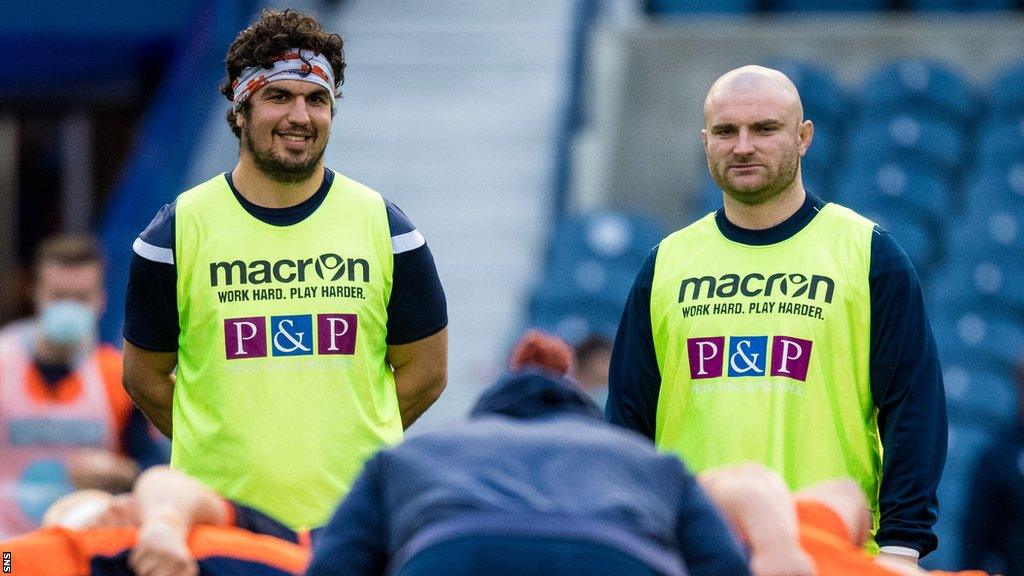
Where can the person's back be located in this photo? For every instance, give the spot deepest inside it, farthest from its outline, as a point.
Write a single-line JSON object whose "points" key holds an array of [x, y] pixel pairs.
{"points": [[542, 476], [534, 482]]}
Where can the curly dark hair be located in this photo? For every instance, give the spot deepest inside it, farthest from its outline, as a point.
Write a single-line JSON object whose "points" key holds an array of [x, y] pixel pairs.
{"points": [[269, 36]]}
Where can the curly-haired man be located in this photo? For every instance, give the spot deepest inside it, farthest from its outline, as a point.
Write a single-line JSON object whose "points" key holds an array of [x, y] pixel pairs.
{"points": [[282, 320]]}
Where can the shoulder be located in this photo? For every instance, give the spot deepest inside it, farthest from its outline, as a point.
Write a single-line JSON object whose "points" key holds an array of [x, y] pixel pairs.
{"points": [[887, 256], [704, 225], [841, 213], [404, 235], [156, 242]]}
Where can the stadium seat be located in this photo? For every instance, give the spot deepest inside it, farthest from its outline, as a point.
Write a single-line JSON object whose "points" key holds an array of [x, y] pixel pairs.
{"points": [[995, 189], [918, 87], [892, 181], [616, 239], [980, 391], [988, 336], [1002, 142], [912, 142], [990, 225], [574, 320], [828, 6], [1006, 96], [967, 440], [686, 7], [918, 236], [823, 100], [959, 5], [908, 204], [983, 277], [587, 281], [817, 165]]}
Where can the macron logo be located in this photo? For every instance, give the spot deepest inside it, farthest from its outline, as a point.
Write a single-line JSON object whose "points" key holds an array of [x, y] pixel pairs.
{"points": [[748, 356], [250, 337]]}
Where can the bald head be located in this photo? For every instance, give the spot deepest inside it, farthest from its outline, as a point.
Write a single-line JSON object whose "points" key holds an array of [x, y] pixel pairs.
{"points": [[768, 85], [754, 135]]}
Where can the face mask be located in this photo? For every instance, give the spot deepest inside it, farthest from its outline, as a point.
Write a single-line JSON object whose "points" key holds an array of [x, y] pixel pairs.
{"points": [[67, 322]]}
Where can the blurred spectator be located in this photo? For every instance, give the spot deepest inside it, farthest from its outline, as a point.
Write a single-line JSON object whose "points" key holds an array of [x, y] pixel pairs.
{"points": [[993, 529], [65, 421], [593, 355]]}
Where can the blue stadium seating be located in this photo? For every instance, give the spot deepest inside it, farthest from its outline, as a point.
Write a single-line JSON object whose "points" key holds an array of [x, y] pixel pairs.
{"points": [[587, 280], [574, 320], [920, 189], [1001, 142], [919, 87], [817, 165], [988, 336], [702, 7], [995, 187], [617, 239], [979, 390], [1006, 96], [592, 262], [966, 442], [829, 6], [910, 204], [912, 142], [993, 225], [959, 5], [989, 276], [823, 100]]}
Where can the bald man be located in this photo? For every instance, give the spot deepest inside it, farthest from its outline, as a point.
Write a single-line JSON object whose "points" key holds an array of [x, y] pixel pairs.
{"points": [[785, 330]]}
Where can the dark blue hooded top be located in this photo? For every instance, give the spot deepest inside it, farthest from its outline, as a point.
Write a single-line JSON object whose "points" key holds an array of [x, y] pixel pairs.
{"points": [[534, 460]]}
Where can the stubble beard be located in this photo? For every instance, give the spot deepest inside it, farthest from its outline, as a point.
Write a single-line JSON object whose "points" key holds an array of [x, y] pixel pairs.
{"points": [[776, 181], [277, 168]]}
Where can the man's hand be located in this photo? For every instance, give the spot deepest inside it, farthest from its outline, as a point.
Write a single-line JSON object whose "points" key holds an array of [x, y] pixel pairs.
{"points": [[162, 547]]}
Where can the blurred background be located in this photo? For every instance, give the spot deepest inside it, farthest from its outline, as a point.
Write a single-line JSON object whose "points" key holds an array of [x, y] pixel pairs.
{"points": [[543, 148]]}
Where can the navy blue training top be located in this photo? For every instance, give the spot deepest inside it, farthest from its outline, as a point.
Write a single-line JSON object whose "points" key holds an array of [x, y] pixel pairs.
{"points": [[416, 310], [533, 461], [906, 379]]}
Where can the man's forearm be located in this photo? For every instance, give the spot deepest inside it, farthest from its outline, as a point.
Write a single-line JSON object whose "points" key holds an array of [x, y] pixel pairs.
{"points": [[149, 379], [417, 391], [155, 399], [421, 373]]}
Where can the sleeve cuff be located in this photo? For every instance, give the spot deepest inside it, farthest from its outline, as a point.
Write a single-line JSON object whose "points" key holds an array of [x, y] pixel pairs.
{"points": [[901, 551]]}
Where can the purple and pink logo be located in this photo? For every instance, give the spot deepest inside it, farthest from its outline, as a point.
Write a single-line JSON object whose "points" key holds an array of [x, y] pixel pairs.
{"points": [[706, 356], [790, 357], [245, 337], [290, 335], [336, 333]]}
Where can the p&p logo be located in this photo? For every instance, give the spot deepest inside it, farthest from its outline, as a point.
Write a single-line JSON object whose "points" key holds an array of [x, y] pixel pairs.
{"points": [[748, 356], [293, 335]]}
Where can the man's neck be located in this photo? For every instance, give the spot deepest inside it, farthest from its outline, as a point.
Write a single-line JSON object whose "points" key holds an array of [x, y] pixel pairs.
{"points": [[262, 190], [773, 212]]}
